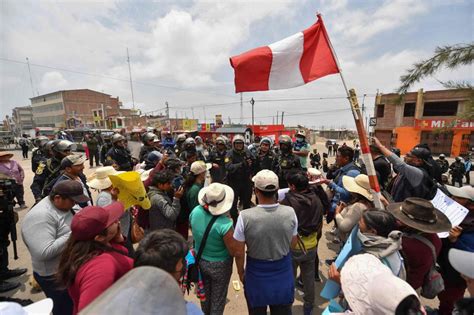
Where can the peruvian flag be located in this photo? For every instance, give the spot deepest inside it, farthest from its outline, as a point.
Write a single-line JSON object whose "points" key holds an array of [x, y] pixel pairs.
{"points": [[290, 62]]}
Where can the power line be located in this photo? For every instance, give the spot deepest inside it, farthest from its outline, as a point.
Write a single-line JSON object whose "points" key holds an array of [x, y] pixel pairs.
{"points": [[114, 78]]}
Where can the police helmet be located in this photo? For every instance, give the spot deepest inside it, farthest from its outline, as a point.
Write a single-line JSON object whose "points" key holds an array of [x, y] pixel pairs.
{"points": [[62, 146], [48, 146], [238, 138], [117, 137], [189, 142], [181, 137], [198, 139], [220, 140], [266, 140], [148, 136], [285, 139], [40, 141]]}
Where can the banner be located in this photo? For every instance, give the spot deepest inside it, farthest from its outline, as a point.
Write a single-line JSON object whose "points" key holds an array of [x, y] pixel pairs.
{"points": [[431, 124]]}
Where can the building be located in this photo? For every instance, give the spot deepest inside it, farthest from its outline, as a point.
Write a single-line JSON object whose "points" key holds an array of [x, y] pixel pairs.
{"points": [[74, 108], [23, 119], [432, 117]]}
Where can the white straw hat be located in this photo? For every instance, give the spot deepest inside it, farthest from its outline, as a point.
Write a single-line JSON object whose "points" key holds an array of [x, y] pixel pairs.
{"points": [[217, 198], [359, 185], [101, 179], [200, 167]]}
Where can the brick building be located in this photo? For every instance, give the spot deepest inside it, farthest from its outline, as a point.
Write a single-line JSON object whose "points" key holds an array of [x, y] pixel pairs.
{"points": [[73, 108], [432, 117]]}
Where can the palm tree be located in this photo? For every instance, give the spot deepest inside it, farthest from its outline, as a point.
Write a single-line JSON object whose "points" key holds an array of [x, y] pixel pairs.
{"points": [[450, 57]]}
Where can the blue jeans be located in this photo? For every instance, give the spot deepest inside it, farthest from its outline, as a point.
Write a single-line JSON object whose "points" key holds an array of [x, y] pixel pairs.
{"points": [[62, 303]]}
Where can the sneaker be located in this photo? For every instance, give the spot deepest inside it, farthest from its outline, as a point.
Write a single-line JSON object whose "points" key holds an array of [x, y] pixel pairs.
{"points": [[23, 206], [11, 273], [6, 286]]}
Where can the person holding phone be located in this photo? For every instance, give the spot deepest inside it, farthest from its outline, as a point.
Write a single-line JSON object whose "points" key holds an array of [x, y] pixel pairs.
{"points": [[164, 211]]}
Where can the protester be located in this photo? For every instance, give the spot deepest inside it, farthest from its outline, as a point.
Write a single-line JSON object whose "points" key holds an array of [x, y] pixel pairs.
{"points": [[345, 167], [45, 231], [347, 215], [163, 211], [309, 211], [413, 175], [72, 167], [381, 165], [102, 183], [460, 237], [239, 164], [215, 201], [268, 230], [379, 236], [165, 249], [152, 159], [371, 289], [457, 171], [94, 257], [12, 169], [192, 185], [301, 149], [419, 221]]}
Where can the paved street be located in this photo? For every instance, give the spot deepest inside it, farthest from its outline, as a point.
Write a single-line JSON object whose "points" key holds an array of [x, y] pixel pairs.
{"points": [[236, 301]]}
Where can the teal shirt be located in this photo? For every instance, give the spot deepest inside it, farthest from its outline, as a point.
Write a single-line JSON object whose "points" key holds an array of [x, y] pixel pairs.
{"points": [[215, 249], [192, 196], [304, 159]]}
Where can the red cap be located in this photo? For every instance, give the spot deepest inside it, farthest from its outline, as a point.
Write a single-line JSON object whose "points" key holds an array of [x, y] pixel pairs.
{"points": [[92, 220]]}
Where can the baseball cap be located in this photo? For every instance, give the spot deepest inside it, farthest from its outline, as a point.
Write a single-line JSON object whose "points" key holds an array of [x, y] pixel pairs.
{"points": [[72, 160], [462, 261], [200, 167], [266, 180], [420, 152], [92, 220], [71, 189]]}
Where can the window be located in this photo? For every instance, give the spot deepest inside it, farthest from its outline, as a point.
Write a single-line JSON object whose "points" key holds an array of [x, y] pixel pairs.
{"points": [[449, 108], [409, 110], [380, 110]]}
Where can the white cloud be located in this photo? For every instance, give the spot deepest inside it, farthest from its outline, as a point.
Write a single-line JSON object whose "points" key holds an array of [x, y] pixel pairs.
{"points": [[53, 80]]}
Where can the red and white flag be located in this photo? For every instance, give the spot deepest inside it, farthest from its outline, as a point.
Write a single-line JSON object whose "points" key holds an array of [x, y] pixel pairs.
{"points": [[290, 62]]}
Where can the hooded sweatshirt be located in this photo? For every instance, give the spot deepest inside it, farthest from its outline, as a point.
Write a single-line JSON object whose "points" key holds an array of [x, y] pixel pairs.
{"points": [[163, 211], [385, 249]]}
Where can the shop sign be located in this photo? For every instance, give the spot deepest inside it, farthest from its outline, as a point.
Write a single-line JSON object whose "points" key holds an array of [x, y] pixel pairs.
{"points": [[430, 124]]}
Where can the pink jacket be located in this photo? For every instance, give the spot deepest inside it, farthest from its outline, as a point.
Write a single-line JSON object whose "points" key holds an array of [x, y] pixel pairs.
{"points": [[14, 170]]}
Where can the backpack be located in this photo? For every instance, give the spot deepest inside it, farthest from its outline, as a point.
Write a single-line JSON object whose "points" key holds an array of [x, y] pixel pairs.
{"points": [[433, 282]]}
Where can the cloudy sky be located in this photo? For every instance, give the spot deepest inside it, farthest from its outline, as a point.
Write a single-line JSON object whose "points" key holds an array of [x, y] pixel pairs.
{"points": [[180, 51]]}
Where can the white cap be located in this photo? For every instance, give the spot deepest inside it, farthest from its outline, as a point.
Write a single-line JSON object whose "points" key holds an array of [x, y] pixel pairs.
{"points": [[200, 167], [266, 180], [462, 261]]}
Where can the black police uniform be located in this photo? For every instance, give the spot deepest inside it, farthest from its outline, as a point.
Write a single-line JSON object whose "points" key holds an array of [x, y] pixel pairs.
{"points": [[218, 175], [199, 155], [36, 157], [46, 173], [144, 150], [239, 174], [287, 162], [266, 161], [104, 150], [122, 158]]}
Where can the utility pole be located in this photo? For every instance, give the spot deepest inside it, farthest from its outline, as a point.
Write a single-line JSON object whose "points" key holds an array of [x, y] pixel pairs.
{"points": [[168, 123], [31, 79], [282, 114], [277, 117], [241, 108], [130, 74]]}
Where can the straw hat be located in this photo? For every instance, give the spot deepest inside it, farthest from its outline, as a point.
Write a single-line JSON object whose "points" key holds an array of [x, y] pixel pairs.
{"points": [[200, 167], [466, 192], [101, 179], [218, 198], [359, 184], [420, 214]]}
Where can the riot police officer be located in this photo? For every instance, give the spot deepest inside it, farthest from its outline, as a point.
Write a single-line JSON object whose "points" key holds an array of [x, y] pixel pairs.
{"points": [[105, 148], [179, 146], [287, 161], [120, 154], [189, 145], [253, 148], [50, 169], [266, 159], [239, 164], [217, 158], [38, 153], [148, 145]]}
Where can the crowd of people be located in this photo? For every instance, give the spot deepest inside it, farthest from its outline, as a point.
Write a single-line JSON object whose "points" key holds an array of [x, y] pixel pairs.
{"points": [[262, 206]]}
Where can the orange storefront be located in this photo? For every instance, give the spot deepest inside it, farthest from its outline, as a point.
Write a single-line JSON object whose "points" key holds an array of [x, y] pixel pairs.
{"points": [[452, 137]]}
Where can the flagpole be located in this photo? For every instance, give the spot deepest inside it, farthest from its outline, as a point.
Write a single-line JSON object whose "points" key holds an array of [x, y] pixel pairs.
{"points": [[359, 122]]}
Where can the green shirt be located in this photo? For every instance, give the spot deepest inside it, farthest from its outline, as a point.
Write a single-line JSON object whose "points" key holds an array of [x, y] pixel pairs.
{"points": [[215, 249], [192, 196], [304, 159]]}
